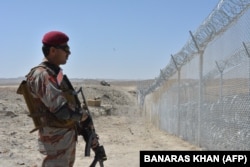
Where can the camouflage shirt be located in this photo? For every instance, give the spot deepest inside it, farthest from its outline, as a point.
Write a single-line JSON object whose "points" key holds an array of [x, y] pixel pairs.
{"points": [[44, 83]]}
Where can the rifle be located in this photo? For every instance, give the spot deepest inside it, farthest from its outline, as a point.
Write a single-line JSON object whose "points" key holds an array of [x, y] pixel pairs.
{"points": [[86, 129]]}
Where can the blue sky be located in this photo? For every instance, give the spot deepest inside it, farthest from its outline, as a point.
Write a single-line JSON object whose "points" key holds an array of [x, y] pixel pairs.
{"points": [[109, 39]]}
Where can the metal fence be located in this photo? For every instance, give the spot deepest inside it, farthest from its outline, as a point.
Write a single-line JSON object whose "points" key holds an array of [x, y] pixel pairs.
{"points": [[202, 95]]}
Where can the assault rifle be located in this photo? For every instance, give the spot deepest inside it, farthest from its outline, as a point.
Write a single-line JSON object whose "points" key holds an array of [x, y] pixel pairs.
{"points": [[86, 129]]}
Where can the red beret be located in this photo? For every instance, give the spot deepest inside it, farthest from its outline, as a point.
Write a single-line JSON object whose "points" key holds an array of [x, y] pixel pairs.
{"points": [[55, 38]]}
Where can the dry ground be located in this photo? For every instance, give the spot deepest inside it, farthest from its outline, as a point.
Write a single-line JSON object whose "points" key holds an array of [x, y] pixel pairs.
{"points": [[121, 127]]}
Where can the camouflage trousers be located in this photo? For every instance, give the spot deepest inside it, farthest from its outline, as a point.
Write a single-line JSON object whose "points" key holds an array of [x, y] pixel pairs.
{"points": [[58, 145]]}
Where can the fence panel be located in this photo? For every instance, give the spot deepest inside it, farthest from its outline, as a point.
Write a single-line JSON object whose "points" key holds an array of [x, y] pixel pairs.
{"points": [[203, 94]]}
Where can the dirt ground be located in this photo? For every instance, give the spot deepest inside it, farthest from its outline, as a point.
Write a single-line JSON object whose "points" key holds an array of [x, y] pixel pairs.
{"points": [[122, 128]]}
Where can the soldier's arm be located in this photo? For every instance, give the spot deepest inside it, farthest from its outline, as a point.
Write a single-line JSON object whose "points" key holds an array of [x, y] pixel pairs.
{"points": [[49, 93], [66, 113]]}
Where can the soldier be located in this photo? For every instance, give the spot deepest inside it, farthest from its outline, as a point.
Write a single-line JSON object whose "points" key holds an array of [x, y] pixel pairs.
{"points": [[56, 116]]}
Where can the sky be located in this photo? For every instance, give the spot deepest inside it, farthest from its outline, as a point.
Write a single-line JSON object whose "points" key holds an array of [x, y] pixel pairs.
{"points": [[109, 39]]}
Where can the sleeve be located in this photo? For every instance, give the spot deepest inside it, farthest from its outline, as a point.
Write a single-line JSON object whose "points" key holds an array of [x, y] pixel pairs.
{"points": [[45, 88]]}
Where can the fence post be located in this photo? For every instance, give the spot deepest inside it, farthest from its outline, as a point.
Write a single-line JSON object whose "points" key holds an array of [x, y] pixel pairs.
{"points": [[221, 85], [248, 54], [178, 95], [200, 52], [221, 78]]}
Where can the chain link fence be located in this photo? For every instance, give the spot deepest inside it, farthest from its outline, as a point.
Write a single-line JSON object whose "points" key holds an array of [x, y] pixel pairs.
{"points": [[202, 95]]}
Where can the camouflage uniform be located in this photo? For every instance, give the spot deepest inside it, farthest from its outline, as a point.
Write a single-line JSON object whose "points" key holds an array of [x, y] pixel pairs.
{"points": [[57, 135]]}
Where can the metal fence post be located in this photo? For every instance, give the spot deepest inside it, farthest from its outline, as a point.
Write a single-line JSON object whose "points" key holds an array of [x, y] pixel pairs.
{"points": [[221, 85], [200, 52], [248, 54], [178, 95]]}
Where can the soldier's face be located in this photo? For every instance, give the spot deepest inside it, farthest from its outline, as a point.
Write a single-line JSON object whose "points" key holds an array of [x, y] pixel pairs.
{"points": [[60, 54]]}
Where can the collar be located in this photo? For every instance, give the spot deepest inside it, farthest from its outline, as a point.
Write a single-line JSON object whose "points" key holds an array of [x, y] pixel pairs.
{"points": [[56, 69]]}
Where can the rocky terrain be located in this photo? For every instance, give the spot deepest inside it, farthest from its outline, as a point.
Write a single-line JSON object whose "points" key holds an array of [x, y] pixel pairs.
{"points": [[119, 123]]}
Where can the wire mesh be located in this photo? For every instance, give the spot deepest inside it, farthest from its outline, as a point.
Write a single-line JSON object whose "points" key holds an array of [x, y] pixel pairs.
{"points": [[202, 95]]}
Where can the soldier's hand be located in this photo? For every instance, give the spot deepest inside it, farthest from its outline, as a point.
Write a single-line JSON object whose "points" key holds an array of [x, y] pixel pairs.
{"points": [[84, 115], [84, 106], [95, 142], [87, 123]]}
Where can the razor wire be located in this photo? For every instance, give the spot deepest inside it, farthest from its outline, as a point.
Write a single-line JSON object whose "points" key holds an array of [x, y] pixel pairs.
{"points": [[202, 95], [220, 19]]}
